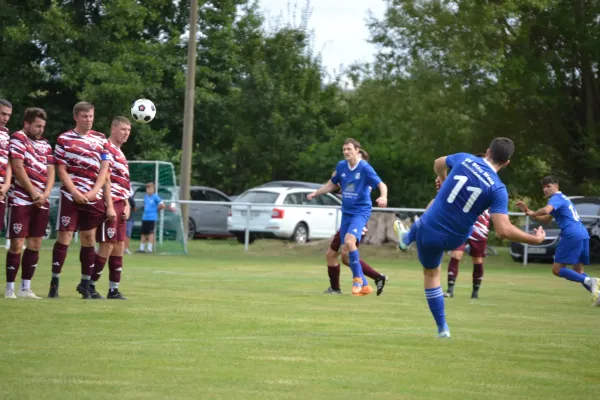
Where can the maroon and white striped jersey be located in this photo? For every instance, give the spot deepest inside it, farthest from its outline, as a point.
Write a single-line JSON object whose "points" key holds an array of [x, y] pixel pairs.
{"points": [[36, 156], [481, 227], [120, 188], [82, 155], [4, 143]]}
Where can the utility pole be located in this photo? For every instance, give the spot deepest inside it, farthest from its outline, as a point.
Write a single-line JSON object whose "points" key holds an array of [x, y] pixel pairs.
{"points": [[188, 117]]}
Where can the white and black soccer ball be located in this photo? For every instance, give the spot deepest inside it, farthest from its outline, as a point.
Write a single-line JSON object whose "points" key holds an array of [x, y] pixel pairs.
{"points": [[143, 111]]}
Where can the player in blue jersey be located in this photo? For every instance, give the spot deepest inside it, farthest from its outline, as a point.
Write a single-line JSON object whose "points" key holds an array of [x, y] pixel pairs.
{"points": [[574, 245], [472, 187], [355, 177]]}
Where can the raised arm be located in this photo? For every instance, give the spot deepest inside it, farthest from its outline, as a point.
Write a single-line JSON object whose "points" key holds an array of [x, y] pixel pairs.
{"points": [[505, 230], [542, 215]]}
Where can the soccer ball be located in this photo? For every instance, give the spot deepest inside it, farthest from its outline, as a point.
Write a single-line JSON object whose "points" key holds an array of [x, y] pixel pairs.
{"points": [[143, 111]]}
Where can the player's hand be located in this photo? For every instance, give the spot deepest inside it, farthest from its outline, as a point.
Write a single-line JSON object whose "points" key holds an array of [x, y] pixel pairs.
{"points": [[381, 202], [311, 196], [80, 198], [90, 196], [438, 183], [522, 206], [111, 214], [126, 213], [539, 234], [39, 200]]}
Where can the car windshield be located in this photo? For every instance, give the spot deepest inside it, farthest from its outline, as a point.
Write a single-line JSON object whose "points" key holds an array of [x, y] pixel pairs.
{"points": [[258, 197]]}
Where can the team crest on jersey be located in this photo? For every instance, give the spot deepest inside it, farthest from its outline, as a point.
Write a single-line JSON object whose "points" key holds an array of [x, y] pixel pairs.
{"points": [[357, 175], [17, 228], [111, 232], [93, 146], [350, 188], [65, 220]]}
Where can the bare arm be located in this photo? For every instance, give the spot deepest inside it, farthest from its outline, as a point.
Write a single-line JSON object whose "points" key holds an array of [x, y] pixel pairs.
{"points": [[505, 230], [21, 175], [440, 168], [110, 209], [542, 215], [383, 190], [7, 180], [100, 180], [326, 188]]}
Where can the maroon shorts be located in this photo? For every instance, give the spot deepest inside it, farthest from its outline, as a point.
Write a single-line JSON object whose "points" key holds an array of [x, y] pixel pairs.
{"points": [[2, 213], [27, 221], [113, 231], [83, 217], [477, 247], [336, 242]]}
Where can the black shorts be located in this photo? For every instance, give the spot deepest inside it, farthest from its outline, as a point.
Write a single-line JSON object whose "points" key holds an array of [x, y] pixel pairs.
{"points": [[148, 227]]}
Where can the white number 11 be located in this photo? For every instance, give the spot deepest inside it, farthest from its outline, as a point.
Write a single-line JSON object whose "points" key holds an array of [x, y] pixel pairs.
{"points": [[475, 192]]}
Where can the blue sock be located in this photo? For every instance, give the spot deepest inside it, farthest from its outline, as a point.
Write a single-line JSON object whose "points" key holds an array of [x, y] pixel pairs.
{"points": [[571, 275], [411, 235], [355, 265], [588, 288], [435, 298], [364, 278]]}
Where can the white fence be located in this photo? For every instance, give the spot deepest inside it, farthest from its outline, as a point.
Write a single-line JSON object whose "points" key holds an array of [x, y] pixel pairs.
{"points": [[249, 207]]}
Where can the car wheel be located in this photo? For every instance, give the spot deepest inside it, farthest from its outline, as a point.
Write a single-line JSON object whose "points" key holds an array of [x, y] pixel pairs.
{"points": [[241, 238], [517, 259], [595, 250], [191, 229], [300, 235]]}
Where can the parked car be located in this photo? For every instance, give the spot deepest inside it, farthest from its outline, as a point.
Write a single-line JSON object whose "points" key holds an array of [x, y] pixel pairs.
{"points": [[208, 220], [273, 219], [297, 184], [545, 251]]}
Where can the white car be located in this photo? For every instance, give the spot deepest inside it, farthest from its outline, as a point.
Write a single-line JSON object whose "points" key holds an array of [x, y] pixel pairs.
{"points": [[273, 216]]}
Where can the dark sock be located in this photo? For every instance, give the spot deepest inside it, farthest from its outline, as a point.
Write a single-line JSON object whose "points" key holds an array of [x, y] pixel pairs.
{"points": [[29, 263], [369, 271], [87, 256], [334, 276], [453, 269], [99, 263], [115, 266], [477, 275], [59, 255], [13, 262]]}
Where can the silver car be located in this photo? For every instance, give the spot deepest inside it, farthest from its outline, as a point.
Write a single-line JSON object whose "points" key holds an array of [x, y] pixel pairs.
{"points": [[208, 220]]}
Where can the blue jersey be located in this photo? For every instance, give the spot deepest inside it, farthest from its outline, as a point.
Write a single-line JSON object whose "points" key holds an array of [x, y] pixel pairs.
{"points": [[151, 203], [566, 217], [471, 188], [356, 184]]}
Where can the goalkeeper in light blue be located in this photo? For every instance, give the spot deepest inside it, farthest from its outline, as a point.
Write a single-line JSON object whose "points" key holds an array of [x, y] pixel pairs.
{"points": [[574, 245], [471, 187]]}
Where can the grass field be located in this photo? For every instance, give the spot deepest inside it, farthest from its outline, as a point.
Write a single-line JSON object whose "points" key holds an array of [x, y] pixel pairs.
{"points": [[222, 324]]}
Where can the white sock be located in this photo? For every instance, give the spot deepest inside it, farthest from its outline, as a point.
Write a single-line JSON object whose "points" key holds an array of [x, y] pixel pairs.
{"points": [[113, 285], [86, 277], [142, 246], [10, 286], [55, 275], [587, 281], [150, 246], [26, 284]]}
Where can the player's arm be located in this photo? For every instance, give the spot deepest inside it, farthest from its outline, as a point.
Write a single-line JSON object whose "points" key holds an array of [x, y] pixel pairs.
{"points": [[7, 180], [100, 180], [542, 215], [505, 230], [66, 181], [110, 208], [21, 175], [383, 190], [326, 188], [50, 179]]}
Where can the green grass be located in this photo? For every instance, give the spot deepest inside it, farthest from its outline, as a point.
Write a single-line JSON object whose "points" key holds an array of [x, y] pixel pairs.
{"points": [[221, 324]]}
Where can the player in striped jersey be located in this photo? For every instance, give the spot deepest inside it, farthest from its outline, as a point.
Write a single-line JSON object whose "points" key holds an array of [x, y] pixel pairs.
{"points": [[111, 234], [5, 168], [33, 166], [82, 162]]}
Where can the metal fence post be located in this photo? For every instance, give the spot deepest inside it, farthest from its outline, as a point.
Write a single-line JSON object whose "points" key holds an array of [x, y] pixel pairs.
{"points": [[525, 245], [247, 232]]}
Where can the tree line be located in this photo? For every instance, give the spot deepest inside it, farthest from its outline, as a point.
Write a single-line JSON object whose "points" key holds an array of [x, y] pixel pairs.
{"points": [[449, 76]]}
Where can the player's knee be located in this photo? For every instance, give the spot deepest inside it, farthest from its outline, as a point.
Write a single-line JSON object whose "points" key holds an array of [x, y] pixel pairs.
{"points": [[64, 237], [34, 244], [88, 238], [16, 245], [350, 243], [477, 260], [118, 249], [456, 254], [556, 269]]}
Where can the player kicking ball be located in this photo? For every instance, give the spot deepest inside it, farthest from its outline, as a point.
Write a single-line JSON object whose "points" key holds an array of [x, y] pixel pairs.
{"points": [[574, 244], [355, 177], [472, 187]]}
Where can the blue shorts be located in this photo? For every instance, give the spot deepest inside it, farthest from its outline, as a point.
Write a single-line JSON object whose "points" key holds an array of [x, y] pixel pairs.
{"points": [[353, 224], [572, 250], [128, 228], [432, 245]]}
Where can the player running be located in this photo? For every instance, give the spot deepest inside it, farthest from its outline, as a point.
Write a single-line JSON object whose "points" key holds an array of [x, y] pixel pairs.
{"points": [[356, 177], [472, 187], [574, 244]]}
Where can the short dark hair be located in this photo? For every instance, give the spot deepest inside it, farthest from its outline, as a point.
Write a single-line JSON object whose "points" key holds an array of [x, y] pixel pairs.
{"points": [[82, 106], [550, 179], [120, 120], [364, 155], [150, 184], [501, 149], [5, 103], [32, 113], [480, 155], [353, 142]]}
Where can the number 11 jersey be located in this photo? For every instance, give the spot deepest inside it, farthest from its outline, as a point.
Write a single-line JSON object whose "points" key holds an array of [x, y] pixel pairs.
{"points": [[472, 187]]}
